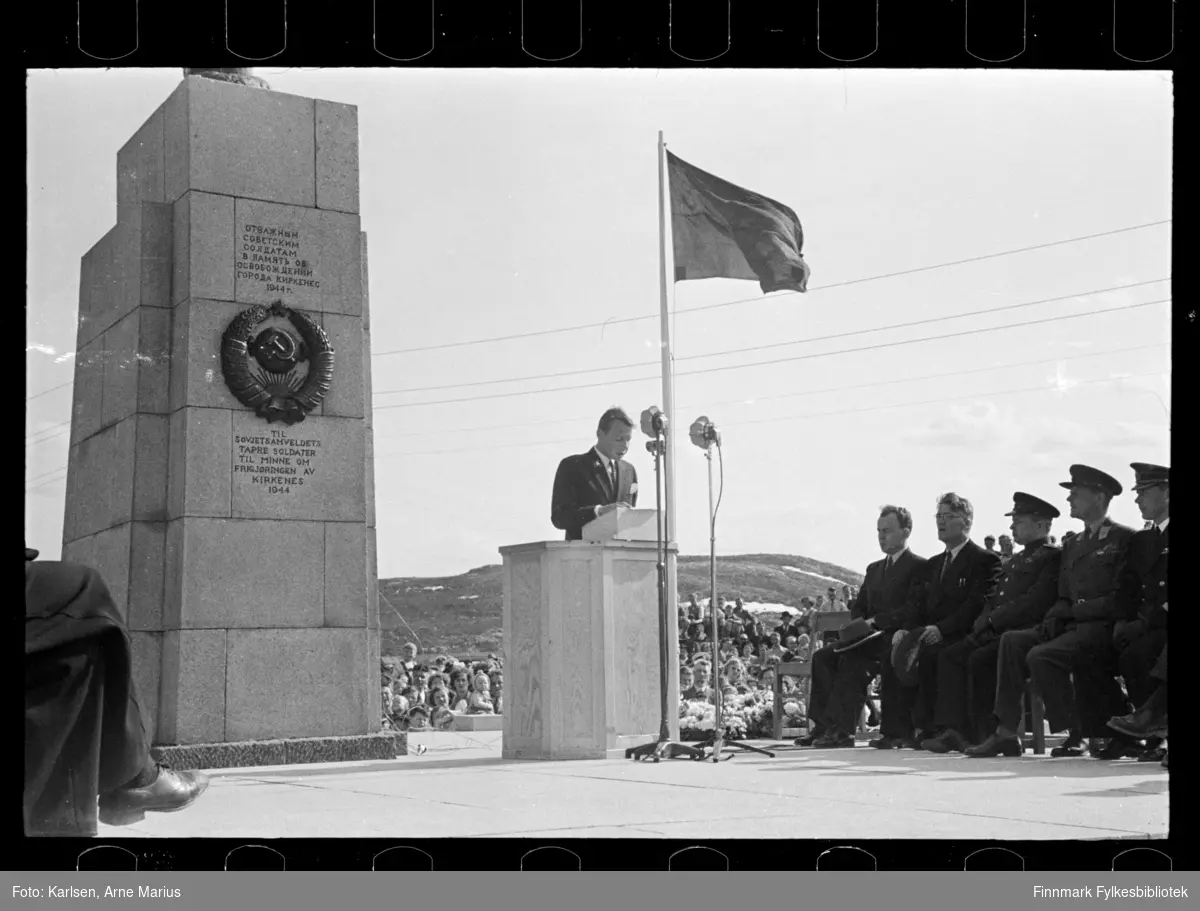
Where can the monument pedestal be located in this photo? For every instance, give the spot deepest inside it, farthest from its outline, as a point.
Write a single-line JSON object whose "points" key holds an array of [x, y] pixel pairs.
{"points": [[581, 635], [239, 541]]}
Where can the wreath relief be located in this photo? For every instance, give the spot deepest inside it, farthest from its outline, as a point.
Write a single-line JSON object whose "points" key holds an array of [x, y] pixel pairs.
{"points": [[262, 370]]}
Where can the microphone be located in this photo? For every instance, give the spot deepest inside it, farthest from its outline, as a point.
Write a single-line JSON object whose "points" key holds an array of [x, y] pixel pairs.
{"points": [[704, 433], [654, 421]]}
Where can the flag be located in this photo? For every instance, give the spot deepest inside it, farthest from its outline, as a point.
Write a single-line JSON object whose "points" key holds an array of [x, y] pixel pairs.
{"points": [[724, 231]]}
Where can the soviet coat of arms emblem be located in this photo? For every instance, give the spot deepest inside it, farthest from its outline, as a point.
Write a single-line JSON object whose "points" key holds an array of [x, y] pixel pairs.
{"points": [[263, 369]]}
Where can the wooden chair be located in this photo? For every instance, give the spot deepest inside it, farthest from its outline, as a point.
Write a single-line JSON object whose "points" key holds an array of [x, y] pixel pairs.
{"points": [[822, 623], [1031, 700]]}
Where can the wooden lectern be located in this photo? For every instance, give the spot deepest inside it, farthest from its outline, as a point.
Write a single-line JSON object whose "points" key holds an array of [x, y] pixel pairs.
{"points": [[581, 628]]}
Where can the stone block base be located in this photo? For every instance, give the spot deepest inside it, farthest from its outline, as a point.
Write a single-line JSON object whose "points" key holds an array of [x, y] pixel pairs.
{"points": [[384, 745], [479, 723]]}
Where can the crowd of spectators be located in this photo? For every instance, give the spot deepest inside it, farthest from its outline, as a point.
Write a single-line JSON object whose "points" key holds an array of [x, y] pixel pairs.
{"points": [[749, 650], [422, 694]]}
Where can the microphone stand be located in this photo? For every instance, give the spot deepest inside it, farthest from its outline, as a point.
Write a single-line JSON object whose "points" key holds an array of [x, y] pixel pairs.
{"points": [[719, 740], [664, 747]]}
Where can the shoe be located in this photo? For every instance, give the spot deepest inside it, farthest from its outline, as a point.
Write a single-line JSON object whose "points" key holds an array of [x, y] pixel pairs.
{"points": [[1072, 746], [808, 739], [888, 743], [169, 792], [1139, 725], [996, 746], [1115, 748], [1157, 754], [913, 743], [833, 741], [948, 741]]}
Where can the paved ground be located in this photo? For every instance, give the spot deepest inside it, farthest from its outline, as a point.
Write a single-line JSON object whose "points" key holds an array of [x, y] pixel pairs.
{"points": [[461, 787]]}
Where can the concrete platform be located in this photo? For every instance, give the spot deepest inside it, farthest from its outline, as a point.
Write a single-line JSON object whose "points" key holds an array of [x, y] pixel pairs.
{"points": [[461, 787]]}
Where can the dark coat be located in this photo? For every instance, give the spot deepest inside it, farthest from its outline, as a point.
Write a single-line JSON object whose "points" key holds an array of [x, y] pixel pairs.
{"points": [[952, 603], [581, 484], [1145, 584], [1027, 588], [1093, 580], [885, 600]]}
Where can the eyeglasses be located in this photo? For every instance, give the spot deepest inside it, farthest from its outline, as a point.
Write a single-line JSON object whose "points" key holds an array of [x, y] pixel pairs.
{"points": [[949, 515]]}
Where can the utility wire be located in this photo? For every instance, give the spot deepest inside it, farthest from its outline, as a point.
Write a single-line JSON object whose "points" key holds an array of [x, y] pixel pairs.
{"points": [[751, 300], [794, 417], [782, 360], [788, 395], [802, 341], [37, 395]]}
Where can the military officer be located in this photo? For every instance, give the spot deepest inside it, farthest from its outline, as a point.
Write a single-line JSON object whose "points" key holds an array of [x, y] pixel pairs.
{"points": [[966, 686], [1080, 622], [1141, 636]]}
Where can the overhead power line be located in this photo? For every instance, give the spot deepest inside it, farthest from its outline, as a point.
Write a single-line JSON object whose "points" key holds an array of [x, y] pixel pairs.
{"points": [[802, 341], [759, 299], [782, 360], [795, 417], [38, 395], [891, 381]]}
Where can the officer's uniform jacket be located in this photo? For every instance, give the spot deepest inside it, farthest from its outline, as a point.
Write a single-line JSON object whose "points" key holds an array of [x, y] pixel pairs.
{"points": [[1028, 587], [1146, 582], [1093, 578]]}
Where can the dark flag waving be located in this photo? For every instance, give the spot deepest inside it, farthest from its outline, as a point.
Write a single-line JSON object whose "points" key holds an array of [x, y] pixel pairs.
{"points": [[724, 231]]}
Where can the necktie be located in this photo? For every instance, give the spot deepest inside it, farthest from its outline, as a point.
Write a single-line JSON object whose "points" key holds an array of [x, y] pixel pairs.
{"points": [[613, 476], [887, 568], [946, 564]]}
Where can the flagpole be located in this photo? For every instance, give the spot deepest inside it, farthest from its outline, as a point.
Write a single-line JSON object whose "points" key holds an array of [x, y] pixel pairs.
{"points": [[669, 457]]}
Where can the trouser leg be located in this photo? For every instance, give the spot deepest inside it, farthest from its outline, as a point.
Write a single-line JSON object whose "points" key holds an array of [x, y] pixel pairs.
{"points": [[950, 709], [1012, 670], [925, 702], [1136, 662], [1098, 696], [981, 689], [81, 736], [824, 670]]}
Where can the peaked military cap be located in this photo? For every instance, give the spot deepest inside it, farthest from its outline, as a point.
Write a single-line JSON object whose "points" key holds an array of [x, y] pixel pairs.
{"points": [[1150, 475], [1086, 476], [1026, 504]]}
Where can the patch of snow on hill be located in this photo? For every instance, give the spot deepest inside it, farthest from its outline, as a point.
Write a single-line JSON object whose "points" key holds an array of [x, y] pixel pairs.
{"points": [[807, 572]]}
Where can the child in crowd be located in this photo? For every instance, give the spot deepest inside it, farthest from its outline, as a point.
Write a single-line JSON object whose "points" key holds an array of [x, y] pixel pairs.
{"points": [[441, 717], [417, 718], [685, 680], [460, 692], [480, 701], [497, 691]]}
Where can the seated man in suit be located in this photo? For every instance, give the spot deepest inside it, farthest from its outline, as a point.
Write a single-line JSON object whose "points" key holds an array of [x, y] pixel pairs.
{"points": [[1141, 636], [966, 684], [598, 481], [957, 585], [86, 746], [1080, 623], [840, 679]]}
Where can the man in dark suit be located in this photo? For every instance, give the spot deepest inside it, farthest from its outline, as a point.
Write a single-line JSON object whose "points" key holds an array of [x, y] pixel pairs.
{"points": [[1076, 631], [840, 680], [87, 752], [957, 584], [1028, 586], [1141, 635], [598, 481]]}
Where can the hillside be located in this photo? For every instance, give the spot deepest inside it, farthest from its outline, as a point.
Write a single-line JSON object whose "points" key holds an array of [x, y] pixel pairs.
{"points": [[463, 614]]}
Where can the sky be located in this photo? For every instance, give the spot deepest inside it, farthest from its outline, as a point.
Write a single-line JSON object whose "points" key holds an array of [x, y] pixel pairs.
{"points": [[507, 202]]}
